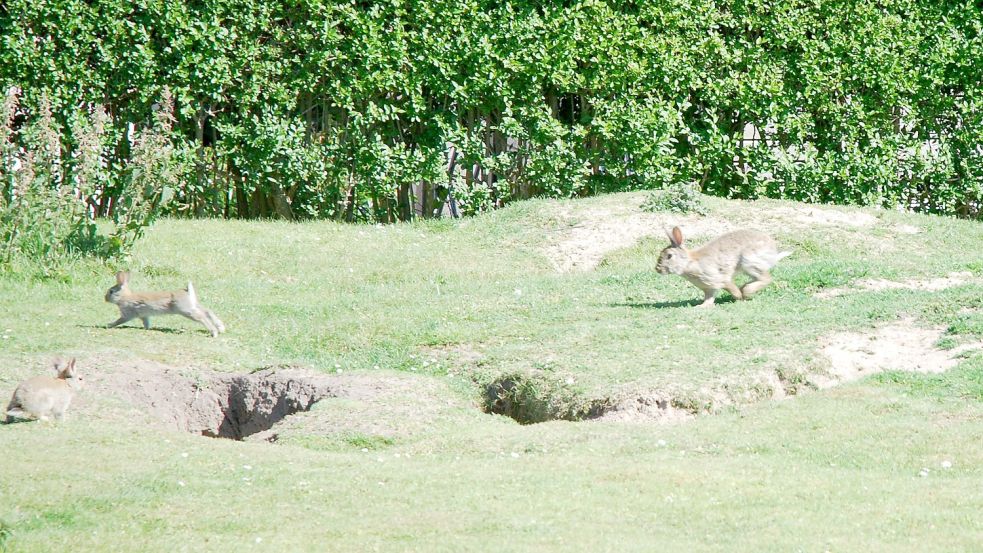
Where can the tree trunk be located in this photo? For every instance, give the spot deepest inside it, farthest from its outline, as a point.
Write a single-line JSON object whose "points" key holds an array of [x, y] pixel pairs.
{"points": [[200, 119], [242, 198], [281, 204], [451, 165], [349, 206], [426, 199]]}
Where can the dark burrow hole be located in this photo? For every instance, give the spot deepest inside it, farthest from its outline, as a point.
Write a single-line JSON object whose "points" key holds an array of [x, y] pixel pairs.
{"points": [[253, 403], [226, 406], [531, 399]]}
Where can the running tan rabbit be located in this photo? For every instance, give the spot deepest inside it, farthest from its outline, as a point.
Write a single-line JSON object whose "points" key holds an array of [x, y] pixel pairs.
{"points": [[44, 396], [143, 305], [713, 267]]}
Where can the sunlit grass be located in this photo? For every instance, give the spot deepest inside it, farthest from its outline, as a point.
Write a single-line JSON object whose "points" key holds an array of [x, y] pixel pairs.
{"points": [[836, 470]]}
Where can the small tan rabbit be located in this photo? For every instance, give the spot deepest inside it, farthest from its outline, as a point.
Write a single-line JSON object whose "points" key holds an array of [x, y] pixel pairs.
{"points": [[43, 396], [713, 267], [143, 305]]}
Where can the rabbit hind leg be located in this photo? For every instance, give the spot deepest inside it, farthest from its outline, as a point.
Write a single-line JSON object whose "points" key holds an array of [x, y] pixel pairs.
{"points": [[198, 315], [758, 281], [214, 319]]}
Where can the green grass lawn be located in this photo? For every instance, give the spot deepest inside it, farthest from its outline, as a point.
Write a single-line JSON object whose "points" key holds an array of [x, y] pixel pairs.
{"points": [[456, 305]]}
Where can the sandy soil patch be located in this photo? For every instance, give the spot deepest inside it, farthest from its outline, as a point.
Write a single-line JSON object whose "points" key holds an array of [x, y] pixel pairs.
{"points": [[668, 406], [900, 346], [876, 284], [650, 407], [591, 233], [588, 232]]}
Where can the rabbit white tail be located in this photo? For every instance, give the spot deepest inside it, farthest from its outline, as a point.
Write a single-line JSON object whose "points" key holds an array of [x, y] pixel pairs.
{"points": [[763, 261], [16, 413], [191, 294]]}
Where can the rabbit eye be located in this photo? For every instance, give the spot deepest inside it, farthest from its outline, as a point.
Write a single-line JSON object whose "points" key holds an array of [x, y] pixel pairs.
{"points": [[668, 256]]}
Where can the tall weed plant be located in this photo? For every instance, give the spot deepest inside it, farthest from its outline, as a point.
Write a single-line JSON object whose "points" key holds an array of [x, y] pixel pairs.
{"points": [[47, 191]]}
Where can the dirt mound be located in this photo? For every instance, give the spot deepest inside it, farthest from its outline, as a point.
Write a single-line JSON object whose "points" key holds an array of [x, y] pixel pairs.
{"points": [[656, 406], [590, 233], [590, 229], [264, 404], [900, 346], [209, 403]]}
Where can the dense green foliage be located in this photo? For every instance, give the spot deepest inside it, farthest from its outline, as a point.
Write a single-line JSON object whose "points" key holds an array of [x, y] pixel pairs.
{"points": [[392, 109]]}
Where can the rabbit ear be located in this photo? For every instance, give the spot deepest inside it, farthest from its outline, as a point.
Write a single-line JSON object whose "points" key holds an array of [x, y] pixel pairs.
{"points": [[122, 277], [69, 370], [675, 237]]}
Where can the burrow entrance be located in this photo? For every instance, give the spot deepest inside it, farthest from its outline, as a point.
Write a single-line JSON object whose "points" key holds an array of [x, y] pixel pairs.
{"points": [[539, 396], [531, 399], [255, 402], [220, 405]]}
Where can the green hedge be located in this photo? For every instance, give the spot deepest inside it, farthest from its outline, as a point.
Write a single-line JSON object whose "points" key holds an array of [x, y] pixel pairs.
{"points": [[385, 110]]}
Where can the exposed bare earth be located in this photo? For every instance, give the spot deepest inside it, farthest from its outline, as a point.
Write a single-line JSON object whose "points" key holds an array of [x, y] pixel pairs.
{"points": [[596, 231], [930, 284], [655, 406], [264, 403], [278, 402], [590, 231], [900, 346]]}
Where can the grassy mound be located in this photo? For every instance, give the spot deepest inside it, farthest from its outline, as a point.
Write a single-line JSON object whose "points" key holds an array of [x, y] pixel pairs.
{"points": [[544, 311]]}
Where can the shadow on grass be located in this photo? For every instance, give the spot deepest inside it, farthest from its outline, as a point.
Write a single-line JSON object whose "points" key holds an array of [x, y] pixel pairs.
{"points": [[667, 304], [163, 329]]}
